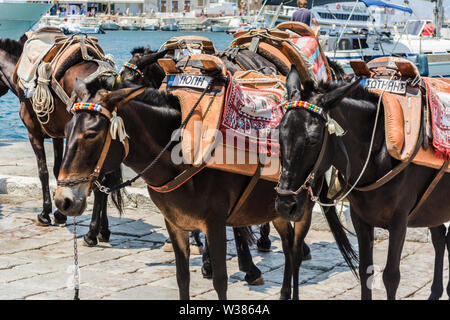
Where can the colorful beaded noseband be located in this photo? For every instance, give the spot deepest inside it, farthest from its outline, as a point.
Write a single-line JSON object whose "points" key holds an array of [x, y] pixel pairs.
{"points": [[86, 106], [303, 104], [132, 67]]}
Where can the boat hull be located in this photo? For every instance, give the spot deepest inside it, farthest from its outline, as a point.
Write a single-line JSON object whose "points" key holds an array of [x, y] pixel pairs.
{"points": [[18, 18], [110, 26]]}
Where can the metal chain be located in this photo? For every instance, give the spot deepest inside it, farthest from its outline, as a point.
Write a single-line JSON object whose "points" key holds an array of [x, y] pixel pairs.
{"points": [[76, 274]]}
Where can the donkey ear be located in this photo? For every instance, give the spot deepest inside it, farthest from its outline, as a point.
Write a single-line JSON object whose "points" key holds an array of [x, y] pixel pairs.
{"points": [[113, 98], [81, 89], [293, 84], [331, 99]]}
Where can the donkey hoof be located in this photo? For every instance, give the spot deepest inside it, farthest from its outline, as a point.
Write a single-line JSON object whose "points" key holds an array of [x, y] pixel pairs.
{"points": [[307, 257], [434, 297], [196, 250], [43, 220], [207, 272], [263, 245], [104, 236], [59, 217], [167, 247], [88, 242], [257, 282], [285, 296]]}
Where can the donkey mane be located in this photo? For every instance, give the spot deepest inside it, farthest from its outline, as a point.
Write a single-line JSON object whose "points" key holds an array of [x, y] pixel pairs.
{"points": [[336, 66], [12, 47], [158, 98], [143, 50], [359, 93]]}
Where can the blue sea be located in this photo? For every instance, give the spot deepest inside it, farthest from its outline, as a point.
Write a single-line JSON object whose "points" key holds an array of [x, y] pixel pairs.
{"points": [[117, 43]]}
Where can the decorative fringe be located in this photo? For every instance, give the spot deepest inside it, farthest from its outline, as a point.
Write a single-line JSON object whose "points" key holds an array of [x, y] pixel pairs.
{"points": [[42, 100], [117, 128]]}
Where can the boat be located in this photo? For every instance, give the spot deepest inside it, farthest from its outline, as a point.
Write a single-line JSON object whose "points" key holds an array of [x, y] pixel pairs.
{"points": [[129, 23], [220, 28], [150, 25], [169, 25], [109, 25], [335, 15], [405, 41], [17, 17]]}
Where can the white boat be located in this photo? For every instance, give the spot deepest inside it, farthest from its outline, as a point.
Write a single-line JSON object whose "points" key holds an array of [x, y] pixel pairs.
{"points": [[17, 17]]}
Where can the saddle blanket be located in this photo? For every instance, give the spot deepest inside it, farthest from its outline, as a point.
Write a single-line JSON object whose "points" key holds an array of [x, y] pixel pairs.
{"points": [[311, 49], [440, 117], [35, 49], [250, 117]]}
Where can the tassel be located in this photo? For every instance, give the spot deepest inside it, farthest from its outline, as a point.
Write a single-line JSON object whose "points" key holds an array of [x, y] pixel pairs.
{"points": [[117, 128], [334, 127]]}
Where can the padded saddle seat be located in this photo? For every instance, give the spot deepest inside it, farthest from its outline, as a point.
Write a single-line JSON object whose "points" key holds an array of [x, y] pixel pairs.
{"points": [[403, 112]]}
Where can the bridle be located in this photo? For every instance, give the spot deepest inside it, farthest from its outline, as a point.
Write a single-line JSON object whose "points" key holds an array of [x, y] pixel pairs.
{"points": [[132, 67], [116, 131], [331, 127]]}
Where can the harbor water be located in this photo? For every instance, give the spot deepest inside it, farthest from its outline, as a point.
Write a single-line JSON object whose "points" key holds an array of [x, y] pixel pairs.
{"points": [[117, 43]]}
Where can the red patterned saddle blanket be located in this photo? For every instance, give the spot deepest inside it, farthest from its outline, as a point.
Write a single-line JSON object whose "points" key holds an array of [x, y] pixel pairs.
{"points": [[439, 101], [250, 117]]}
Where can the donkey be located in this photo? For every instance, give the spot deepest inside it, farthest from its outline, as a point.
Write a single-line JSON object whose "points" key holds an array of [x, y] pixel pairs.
{"points": [[196, 205], [10, 52], [303, 151]]}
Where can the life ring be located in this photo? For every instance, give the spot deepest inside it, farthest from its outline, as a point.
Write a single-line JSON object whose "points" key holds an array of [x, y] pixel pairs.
{"points": [[338, 6]]}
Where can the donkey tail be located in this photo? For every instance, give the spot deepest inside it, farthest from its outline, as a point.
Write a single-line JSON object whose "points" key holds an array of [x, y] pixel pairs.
{"points": [[339, 234]]}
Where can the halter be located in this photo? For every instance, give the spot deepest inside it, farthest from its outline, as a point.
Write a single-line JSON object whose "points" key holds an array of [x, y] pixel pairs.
{"points": [[116, 130], [131, 67], [331, 127]]}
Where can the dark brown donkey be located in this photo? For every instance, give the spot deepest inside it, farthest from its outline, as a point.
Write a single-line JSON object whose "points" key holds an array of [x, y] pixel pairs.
{"points": [[390, 206], [202, 203], [10, 52]]}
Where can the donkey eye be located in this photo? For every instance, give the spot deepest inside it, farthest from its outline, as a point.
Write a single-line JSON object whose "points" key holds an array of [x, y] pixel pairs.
{"points": [[90, 135]]}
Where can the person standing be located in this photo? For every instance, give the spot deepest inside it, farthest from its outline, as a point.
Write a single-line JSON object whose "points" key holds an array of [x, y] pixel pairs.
{"points": [[304, 15]]}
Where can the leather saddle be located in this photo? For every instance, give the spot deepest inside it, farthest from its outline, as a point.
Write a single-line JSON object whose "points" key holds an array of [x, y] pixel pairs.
{"points": [[179, 47], [405, 113], [276, 46], [44, 45], [201, 141]]}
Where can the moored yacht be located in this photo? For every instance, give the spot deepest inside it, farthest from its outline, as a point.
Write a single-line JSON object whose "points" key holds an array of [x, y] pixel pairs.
{"points": [[18, 16]]}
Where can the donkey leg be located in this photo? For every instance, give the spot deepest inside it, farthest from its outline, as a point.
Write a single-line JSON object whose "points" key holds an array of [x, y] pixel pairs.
{"points": [[264, 243], [365, 234], [104, 233], [206, 266], [37, 142], [90, 238], [301, 229], [286, 233], [252, 273], [180, 242], [58, 147], [391, 273], [217, 240], [196, 244], [438, 240]]}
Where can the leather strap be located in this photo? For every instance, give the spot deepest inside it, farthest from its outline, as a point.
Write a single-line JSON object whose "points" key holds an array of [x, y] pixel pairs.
{"points": [[394, 172], [429, 190], [179, 180], [100, 161], [244, 196]]}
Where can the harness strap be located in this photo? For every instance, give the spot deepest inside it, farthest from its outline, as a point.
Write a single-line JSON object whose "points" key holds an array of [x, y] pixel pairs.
{"points": [[393, 172], [100, 161], [429, 190], [247, 191], [179, 180]]}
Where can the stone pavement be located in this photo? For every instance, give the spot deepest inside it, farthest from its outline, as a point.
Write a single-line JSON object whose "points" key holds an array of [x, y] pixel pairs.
{"points": [[35, 261]]}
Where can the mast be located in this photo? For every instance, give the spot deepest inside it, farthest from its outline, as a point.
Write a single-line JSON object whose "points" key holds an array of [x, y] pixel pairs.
{"points": [[438, 16]]}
